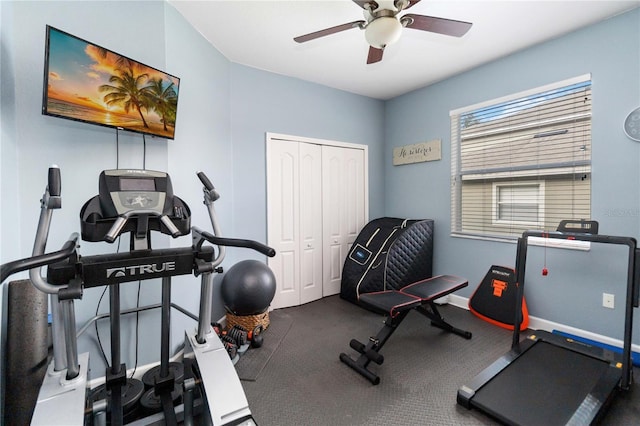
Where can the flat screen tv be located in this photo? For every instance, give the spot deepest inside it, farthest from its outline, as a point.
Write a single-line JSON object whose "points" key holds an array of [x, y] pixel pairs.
{"points": [[88, 83]]}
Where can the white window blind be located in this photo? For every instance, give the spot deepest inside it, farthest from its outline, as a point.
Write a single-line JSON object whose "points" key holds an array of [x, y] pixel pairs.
{"points": [[522, 162]]}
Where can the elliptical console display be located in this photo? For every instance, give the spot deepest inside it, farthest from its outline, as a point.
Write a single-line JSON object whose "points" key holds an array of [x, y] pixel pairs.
{"points": [[121, 191], [143, 195]]}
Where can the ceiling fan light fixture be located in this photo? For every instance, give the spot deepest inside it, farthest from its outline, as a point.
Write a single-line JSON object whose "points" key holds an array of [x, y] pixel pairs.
{"points": [[383, 31]]}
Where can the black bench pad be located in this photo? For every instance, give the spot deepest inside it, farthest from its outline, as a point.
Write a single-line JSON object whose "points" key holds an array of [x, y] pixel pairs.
{"points": [[435, 287], [393, 302], [390, 302]]}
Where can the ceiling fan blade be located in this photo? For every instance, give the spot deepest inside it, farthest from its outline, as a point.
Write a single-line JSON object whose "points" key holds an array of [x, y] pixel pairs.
{"points": [[409, 4], [363, 4], [375, 55], [329, 31], [437, 25]]}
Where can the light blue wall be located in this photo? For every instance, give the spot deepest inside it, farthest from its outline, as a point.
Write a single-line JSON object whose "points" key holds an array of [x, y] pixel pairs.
{"points": [[264, 102], [572, 295]]}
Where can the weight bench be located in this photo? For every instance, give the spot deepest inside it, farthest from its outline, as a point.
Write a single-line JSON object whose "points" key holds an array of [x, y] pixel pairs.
{"points": [[396, 304]]}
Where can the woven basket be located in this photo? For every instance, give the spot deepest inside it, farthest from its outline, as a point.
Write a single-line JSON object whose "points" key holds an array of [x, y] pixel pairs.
{"points": [[249, 322]]}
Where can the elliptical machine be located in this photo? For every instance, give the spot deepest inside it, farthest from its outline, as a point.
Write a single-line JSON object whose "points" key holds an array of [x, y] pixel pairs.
{"points": [[136, 202]]}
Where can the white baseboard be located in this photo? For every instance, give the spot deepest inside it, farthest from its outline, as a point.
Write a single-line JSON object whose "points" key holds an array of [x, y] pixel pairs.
{"points": [[459, 301], [542, 324]]}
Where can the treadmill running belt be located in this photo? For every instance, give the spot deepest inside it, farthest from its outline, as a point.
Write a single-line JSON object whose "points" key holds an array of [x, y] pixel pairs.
{"points": [[543, 386]]}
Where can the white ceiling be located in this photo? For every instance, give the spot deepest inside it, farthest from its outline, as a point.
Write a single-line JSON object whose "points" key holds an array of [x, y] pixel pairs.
{"points": [[260, 34]]}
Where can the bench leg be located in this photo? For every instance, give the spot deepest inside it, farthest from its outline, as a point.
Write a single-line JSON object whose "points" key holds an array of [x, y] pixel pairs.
{"points": [[370, 351], [438, 321]]}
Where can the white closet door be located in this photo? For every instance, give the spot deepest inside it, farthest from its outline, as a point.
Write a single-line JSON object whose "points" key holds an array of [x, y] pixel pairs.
{"points": [[354, 191], [316, 206], [343, 195], [283, 189], [310, 222]]}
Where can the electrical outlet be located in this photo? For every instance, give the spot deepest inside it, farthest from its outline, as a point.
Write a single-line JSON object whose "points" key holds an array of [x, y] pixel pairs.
{"points": [[608, 300]]}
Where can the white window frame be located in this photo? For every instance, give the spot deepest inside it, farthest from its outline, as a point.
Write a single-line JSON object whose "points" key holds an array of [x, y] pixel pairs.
{"points": [[495, 202], [455, 159]]}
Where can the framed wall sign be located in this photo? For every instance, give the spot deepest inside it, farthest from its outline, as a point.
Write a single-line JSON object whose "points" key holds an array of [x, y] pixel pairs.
{"points": [[417, 153]]}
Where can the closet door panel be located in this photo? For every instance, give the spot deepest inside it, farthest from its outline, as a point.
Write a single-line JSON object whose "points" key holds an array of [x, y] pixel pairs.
{"points": [[343, 195], [284, 221], [310, 222]]}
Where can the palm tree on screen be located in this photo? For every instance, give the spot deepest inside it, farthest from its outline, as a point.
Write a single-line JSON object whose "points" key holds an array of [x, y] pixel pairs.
{"points": [[164, 100], [126, 90]]}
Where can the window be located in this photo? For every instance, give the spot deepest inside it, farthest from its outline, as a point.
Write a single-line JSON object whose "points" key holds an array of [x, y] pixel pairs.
{"points": [[518, 204], [522, 162]]}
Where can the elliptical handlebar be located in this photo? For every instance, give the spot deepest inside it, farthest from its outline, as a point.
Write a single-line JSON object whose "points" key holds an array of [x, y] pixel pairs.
{"points": [[235, 242], [121, 221], [54, 181], [211, 194], [115, 229], [16, 266], [51, 198], [50, 201], [205, 181]]}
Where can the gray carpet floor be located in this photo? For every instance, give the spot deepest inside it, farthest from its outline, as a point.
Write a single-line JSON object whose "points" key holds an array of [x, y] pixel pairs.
{"points": [[303, 381]]}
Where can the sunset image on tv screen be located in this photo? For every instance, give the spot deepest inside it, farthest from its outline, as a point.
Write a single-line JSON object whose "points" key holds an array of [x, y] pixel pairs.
{"points": [[89, 83]]}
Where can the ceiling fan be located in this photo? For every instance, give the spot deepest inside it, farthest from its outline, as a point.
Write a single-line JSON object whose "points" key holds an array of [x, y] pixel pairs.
{"points": [[382, 26]]}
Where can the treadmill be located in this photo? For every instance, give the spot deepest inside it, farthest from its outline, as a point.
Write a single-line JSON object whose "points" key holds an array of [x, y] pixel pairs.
{"points": [[549, 379]]}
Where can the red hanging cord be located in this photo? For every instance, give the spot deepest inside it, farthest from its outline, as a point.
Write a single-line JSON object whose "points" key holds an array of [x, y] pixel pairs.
{"points": [[545, 271]]}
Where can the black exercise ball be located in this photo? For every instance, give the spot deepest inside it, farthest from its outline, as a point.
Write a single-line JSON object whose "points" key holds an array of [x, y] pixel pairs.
{"points": [[248, 288]]}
